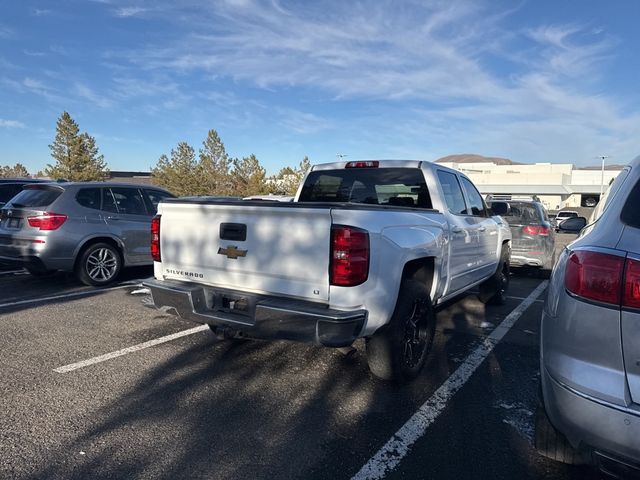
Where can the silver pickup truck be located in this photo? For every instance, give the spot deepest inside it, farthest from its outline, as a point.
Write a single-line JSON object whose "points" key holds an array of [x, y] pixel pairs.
{"points": [[366, 249]]}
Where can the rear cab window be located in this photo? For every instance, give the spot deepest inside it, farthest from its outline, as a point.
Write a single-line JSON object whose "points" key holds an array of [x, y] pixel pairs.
{"points": [[402, 187], [36, 197], [476, 204]]}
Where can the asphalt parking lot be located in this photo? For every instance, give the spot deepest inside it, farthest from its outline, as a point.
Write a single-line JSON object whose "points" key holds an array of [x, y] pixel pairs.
{"points": [[97, 385]]}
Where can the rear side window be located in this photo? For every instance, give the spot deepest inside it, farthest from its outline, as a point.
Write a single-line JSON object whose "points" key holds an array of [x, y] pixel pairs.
{"points": [[156, 196], [631, 210], [108, 203], [129, 201], [403, 187], [89, 198], [7, 192], [31, 197], [452, 193]]}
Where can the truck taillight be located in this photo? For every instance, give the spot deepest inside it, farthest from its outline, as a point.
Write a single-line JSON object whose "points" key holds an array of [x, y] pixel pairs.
{"points": [[595, 276], [47, 221], [367, 164], [155, 239], [536, 230], [349, 256]]}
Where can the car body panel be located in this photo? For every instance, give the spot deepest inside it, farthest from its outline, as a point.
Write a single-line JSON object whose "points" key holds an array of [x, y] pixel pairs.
{"points": [[590, 351]]}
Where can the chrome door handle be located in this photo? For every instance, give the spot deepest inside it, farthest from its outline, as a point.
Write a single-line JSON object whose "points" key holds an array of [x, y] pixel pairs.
{"points": [[482, 229]]}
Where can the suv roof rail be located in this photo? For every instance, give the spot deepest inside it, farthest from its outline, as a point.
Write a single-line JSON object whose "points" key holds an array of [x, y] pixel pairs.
{"points": [[505, 196]]}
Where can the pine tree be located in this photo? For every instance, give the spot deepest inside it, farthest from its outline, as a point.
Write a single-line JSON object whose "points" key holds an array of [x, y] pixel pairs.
{"points": [[76, 154], [17, 171], [213, 168], [287, 180], [180, 173], [248, 177]]}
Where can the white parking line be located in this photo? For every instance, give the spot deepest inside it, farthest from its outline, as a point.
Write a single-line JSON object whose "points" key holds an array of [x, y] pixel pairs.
{"points": [[119, 353], [399, 445], [59, 297]]}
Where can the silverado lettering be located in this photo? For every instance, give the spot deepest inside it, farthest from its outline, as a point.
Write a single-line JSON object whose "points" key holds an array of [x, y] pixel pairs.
{"points": [[183, 273]]}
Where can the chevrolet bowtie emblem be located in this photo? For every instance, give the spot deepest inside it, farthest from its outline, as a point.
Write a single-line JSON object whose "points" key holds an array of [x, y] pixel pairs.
{"points": [[232, 252]]}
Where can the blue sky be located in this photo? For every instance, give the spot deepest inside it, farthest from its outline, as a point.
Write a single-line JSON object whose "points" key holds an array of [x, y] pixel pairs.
{"points": [[534, 81]]}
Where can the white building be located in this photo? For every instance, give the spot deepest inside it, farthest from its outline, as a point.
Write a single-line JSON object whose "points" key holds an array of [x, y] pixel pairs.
{"points": [[558, 185]]}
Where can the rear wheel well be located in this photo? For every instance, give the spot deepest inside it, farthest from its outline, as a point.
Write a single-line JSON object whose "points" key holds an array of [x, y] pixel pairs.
{"points": [[421, 270], [93, 241]]}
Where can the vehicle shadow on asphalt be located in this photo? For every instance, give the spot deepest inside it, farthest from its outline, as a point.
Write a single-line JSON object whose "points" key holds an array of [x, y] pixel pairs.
{"points": [[251, 409]]}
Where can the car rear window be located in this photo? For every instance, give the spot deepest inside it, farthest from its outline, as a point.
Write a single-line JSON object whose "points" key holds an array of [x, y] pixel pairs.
{"points": [[40, 196], [522, 213], [403, 187], [631, 212]]}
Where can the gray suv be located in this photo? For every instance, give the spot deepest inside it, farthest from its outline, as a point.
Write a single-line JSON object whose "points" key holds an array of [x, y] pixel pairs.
{"points": [[90, 228], [590, 338]]}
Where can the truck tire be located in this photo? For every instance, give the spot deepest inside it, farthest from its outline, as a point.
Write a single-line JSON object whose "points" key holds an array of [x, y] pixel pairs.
{"points": [[399, 350], [494, 290], [552, 444], [99, 264]]}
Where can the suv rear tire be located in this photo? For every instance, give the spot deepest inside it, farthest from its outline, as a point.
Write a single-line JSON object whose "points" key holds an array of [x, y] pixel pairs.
{"points": [[99, 264], [494, 290], [399, 350], [552, 444]]}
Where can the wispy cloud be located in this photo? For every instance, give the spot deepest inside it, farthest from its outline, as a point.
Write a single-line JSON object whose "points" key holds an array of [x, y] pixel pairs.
{"points": [[33, 53], [11, 124], [301, 122], [41, 12], [84, 91], [129, 11], [571, 50], [5, 32]]}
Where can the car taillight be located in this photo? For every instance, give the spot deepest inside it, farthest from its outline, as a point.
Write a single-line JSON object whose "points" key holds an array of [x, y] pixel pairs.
{"points": [[47, 221], [595, 276], [155, 239], [349, 256], [631, 297], [367, 164], [536, 230]]}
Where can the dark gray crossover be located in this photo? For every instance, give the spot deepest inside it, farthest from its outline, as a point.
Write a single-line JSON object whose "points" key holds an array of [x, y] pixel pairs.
{"points": [[90, 228], [533, 236], [590, 341]]}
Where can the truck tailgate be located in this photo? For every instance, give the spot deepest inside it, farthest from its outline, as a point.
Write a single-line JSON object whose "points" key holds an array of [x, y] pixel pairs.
{"points": [[286, 250]]}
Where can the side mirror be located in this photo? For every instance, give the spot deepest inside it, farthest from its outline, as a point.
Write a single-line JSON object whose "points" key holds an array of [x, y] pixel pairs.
{"points": [[499, 208], [572, 225]]}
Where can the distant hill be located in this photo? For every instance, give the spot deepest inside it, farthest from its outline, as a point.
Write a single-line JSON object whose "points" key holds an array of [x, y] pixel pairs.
{"points": [[474, 158]]}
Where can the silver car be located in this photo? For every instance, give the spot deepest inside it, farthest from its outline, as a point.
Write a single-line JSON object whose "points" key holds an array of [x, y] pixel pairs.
{"points": [[590, 340], [90, 228]]}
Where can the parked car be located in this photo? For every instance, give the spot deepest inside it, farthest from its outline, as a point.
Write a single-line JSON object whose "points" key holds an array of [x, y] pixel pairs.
{"points": [[562, 216], [590, 341], [90, 228], [366, 250], [10, 187], [533, 237]]}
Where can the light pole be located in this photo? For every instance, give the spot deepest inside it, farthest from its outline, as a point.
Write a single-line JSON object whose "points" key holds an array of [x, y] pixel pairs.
{"points": [[602, 157]]}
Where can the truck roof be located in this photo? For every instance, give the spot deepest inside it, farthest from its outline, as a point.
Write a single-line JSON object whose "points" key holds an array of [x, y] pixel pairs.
{"points": [[384, 164]]}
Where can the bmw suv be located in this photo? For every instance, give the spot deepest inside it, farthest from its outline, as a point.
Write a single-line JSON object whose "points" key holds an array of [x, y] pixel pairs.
{"points": [[90, 228]]}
